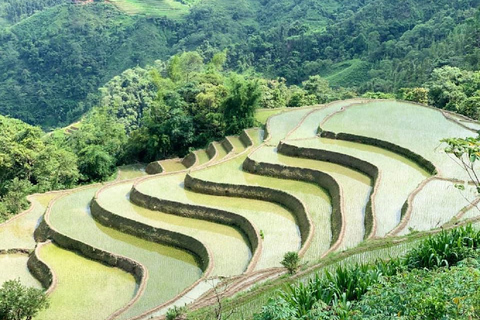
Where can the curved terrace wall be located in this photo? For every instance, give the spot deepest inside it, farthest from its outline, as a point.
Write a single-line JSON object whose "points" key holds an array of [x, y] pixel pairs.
{"points": [[421, 161], [48, 232], [227, 145], [260, 193], [245, 139], [200, 212], [211, 150], [344, 160], [153, 234], [189, 160], [40, 269], [154, 168], [308, 175]]}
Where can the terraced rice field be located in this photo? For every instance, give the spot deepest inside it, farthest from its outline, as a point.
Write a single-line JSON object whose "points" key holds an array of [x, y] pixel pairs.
{"points": [[131, 171], [202, 156], [315, 198], [18, 232], [396, 173], [172, 165], [83, 283], [229, 250], [170, 8], [309, 125], [416, 128], [280, 125], [335, 199], [262, 115], [221, 151], [237, 144], [276, 223], [14, 266], [170, 270], [356, 188], [431, 212]]}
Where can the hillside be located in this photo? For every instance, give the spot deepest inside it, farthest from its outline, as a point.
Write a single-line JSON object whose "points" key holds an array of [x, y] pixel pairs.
{"points": [[365, 45]]}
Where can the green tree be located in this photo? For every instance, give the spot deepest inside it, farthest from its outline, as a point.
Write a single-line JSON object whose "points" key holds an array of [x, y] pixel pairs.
{"points": [[466, 153], [18, 302], [218, 60], [319, 88], [14, 199], [414, 94], [174, 70], [95, 164], [56, 169], [191, 62], [291, 261], [240, 104]]}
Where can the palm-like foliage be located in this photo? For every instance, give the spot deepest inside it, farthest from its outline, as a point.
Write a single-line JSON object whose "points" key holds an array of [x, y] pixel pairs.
{"points": [[339, 287], [445, 249]]}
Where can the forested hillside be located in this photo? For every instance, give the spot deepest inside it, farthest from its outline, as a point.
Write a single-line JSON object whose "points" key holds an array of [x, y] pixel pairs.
{"points": [[51, 62], [12, 11]]}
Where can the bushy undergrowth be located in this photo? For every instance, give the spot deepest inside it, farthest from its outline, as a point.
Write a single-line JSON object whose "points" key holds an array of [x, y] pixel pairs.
{"points": [[445, 249], [437, 280], [443, 293]]}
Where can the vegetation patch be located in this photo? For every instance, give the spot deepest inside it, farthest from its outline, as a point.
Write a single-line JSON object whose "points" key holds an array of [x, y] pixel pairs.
{"points": [[436, 279]]}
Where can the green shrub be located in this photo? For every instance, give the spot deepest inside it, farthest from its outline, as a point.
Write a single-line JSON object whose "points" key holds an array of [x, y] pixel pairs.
{"points": [[445, 249], [334, 295], [422, 294], [176, 313], [18, 302], [291, 261]]}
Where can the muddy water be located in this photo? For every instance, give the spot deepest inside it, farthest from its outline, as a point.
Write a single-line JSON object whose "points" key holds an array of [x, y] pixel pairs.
{"points": [[273, 221], [227, 244], [280, 125], [131, 171], [14, 266], [399, 177], [316, 199], [170, 270], [309, 127], [202, 156], [356, 189], [172, 165], [238, 145], [86, 289], [18, 233]]}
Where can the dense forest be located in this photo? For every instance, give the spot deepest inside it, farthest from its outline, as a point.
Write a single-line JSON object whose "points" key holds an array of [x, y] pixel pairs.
{"points": [[54, 57]]}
